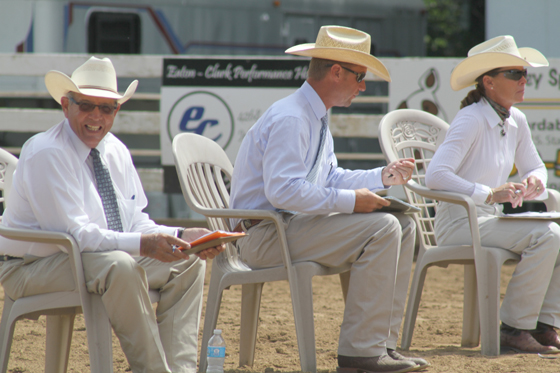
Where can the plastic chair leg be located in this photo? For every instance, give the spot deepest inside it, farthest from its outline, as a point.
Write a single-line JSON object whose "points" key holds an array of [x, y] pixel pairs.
{"points": [[59, 338], [413, 303], [471, 321], [250, 305], [302, 302], [489, 301], [6, 334], [98, 329], [213, 303]]}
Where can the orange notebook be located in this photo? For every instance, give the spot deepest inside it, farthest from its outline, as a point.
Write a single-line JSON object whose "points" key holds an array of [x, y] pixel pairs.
{"points": [[213, 239]]}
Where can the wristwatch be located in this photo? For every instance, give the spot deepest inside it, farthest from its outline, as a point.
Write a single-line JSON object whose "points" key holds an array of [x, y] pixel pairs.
{"points": [[180, 232]]}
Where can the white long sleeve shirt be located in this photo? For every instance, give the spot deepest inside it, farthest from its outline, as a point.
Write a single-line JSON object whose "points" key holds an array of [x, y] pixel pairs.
{"points": [[54, 189], [277, 154], [475, 157]]}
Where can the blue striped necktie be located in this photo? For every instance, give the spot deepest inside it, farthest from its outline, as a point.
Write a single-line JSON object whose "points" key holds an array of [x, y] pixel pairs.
{"points": [[106, 192], [317, 164]]}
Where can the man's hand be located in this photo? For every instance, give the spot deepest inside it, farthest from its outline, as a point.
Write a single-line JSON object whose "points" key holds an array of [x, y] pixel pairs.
{"points": [[367, 201], [398, 172], [191, 234], [160, 246]]}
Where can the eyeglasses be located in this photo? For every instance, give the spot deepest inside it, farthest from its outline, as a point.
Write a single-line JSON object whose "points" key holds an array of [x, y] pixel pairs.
{"points": [[88, 107], [513, 74], [359, 76]]}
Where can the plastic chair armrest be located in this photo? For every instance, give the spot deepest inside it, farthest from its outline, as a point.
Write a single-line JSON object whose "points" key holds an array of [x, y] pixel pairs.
{"points": [[452, 197], [553, 201]]}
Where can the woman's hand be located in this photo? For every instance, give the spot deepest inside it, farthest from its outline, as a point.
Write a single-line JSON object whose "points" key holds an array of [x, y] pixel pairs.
{"points": [[534, 187], [510, 192]]}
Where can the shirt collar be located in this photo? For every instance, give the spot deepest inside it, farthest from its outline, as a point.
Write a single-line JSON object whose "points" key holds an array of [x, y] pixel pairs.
{"points": [[491, 116], [81, 149], [317, 105]]}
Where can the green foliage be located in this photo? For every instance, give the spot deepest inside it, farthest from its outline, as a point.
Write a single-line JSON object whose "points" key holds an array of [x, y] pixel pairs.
{"points": [[454, 26]]}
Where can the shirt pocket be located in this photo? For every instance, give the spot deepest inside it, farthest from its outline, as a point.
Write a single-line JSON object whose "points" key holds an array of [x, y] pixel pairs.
{"points": [[127, 208]]}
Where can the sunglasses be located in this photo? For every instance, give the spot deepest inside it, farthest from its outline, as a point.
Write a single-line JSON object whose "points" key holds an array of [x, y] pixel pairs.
{"points": [[513, 74], [359, 76], [88, 107]]}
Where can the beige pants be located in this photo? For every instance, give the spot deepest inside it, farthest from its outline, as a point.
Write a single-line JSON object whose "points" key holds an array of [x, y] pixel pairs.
{"points": [[533, 293], [162, 342], [380, 248]]}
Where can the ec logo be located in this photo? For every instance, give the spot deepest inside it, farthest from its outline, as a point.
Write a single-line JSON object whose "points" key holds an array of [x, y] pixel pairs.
{"points": [[202, 113]]}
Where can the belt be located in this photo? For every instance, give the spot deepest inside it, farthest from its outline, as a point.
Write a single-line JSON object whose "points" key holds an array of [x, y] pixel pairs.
{"points": [[5, 258], [245, 224]]}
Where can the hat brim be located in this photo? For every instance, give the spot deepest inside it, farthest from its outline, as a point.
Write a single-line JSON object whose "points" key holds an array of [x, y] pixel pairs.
{"points": [[59, 84], [343, 55], [465, 73]]}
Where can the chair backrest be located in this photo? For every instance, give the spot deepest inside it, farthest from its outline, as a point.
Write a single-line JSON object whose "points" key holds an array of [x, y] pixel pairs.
{"points": [[204, 171], [409, 133], [8, 164]]}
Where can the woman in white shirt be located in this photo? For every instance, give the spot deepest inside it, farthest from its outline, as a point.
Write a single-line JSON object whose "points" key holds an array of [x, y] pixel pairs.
{"points": [[484, 141]]}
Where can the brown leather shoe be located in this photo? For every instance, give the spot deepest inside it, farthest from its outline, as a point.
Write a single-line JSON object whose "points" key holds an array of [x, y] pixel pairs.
{"points": [[525, 343], [376, 364], [417, 360], [547, 336]]}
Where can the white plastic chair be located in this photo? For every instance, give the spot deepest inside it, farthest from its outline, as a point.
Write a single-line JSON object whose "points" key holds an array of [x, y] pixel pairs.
{"points": [[59, 307], [204, 171], [409, 133]]}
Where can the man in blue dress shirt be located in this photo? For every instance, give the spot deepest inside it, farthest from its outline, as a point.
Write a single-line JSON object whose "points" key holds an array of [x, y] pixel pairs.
{"points": [[286, 163]]}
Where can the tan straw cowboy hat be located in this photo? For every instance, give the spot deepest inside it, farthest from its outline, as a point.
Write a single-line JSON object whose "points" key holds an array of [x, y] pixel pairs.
{"points": [[96, 77], [500, 51], [343, 44]]}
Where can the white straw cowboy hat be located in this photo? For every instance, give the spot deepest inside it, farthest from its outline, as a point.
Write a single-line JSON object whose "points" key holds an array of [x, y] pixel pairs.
{"points": [[96, 77], [343, 44], [500, 51]]}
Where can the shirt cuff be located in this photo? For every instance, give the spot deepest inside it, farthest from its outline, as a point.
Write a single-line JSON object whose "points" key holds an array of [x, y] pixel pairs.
{"points": [[480, 193], [378, 179], [130, 242], [346, 201], [172, 231]]}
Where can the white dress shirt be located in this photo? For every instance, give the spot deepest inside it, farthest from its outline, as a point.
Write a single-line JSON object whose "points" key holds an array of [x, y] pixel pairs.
{"points": [[277, 154], [54, 189], [475, 157]]}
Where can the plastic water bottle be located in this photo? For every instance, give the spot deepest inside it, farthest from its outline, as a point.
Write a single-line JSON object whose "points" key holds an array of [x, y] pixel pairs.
{"points": [[216, 353]]}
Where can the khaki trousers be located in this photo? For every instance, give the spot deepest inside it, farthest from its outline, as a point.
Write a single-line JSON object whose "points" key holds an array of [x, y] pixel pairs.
{"points": [[533, 293], [379, 247], [162, 342]]}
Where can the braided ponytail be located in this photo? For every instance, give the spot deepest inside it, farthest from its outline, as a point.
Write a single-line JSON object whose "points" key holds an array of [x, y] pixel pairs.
{"points": [[476, 94]]}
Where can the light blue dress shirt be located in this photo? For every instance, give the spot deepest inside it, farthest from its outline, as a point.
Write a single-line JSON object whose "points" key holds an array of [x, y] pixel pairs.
{"points": [[277, 154]]}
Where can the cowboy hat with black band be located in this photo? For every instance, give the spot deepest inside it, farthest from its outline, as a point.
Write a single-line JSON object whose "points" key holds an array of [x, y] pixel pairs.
{"points": [[96, 77], [343, 44], [500, 51]]}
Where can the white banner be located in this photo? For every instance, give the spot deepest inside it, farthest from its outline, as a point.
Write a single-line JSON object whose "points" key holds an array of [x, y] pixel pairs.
{"points": [[222, 98]]}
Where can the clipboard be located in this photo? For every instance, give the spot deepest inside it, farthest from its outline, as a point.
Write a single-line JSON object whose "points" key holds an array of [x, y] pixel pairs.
{"points": [[532, 215], [398, 205], [213, 239]]}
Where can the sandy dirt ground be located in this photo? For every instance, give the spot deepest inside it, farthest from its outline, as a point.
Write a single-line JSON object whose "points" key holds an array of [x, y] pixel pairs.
{"points": [[437, 335]]}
